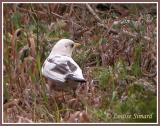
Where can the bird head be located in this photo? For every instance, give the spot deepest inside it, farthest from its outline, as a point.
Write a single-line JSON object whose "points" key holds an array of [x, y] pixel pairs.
{"points": [[64, 47]]}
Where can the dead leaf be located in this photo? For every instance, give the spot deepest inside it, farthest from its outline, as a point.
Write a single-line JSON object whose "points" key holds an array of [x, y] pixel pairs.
{"points": [[79, 116], [31, 44]]}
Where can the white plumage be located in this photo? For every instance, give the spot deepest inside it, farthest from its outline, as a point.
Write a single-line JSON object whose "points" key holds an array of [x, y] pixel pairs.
{"points": [[60, 68]]}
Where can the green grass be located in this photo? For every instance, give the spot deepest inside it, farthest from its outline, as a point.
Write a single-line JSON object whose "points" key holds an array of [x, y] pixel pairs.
{"points": [[136, 67]]}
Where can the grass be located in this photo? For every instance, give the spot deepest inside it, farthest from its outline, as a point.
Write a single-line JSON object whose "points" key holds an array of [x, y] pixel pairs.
{"points": [[113, 66], [136, 67]]}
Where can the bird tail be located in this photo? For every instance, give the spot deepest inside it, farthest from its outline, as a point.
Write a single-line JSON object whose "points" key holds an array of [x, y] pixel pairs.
{"points": [[71, 77]]}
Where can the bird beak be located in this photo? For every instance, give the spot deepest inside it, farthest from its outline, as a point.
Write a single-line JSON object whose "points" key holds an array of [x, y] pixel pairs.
{"points": [[76, 45]]}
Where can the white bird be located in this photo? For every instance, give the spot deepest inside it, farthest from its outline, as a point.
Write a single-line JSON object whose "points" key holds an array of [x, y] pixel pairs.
{"points": [[59, 67]]}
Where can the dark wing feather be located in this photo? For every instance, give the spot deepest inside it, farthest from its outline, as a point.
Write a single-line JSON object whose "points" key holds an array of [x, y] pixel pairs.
{"points": [[59, 68], [71, 77], [62, 68], [50, 60], [71, 66]]}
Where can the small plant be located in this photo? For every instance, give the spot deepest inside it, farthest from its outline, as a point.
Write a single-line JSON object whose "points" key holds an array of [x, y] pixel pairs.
{"points": [[105, 77], [136, 66]]}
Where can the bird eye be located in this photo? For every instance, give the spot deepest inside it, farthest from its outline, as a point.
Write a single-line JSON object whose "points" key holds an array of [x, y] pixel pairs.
{"points": [[72, 45]]}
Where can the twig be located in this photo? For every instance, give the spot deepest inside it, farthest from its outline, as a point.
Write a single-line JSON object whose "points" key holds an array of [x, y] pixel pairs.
{"points": [[93, 13], [135, 35], [71, 9], [59, 16], [55, 14], [111, 30], [10, 104], [100, 22], [24, 120]]}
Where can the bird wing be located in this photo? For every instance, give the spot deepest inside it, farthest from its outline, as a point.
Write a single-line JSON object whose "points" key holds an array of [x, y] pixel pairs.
{"points": [[62, 68], [76, 72]]}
